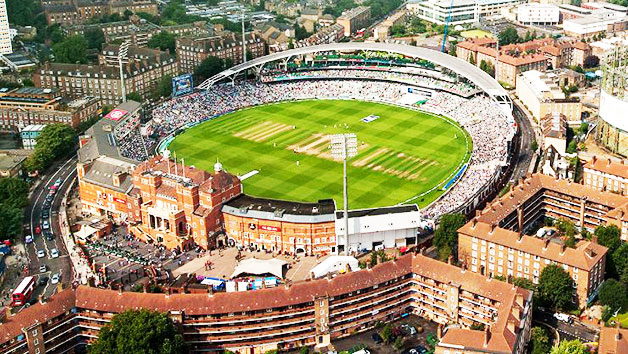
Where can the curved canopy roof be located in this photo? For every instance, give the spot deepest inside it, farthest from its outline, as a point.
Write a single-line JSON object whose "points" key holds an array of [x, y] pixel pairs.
{"points": [[481, 79]]}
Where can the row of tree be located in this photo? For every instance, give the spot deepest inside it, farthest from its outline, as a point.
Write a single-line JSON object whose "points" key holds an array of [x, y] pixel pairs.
{"points": [[55, 141], [13, 199]]}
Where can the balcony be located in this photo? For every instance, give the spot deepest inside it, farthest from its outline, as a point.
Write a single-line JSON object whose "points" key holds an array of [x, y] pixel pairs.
{"points": [[256, 326], [261, 316]]}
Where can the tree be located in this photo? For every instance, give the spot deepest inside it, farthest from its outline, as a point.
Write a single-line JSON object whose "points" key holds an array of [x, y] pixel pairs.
{"points": [[591, 62], [386, 333], [572, 147], [55, 141], [139, 331], [163, 88], [452, 48], [95, 37], [576, 2], [570, 347], [446, 235], [164, 40], [620, 260], [508, 36], [71, 50], [555, 287], [523, 283], [534, 145], [539, 341], [300, 33], [11, 221], [399, 343], [208, 68], [134, 96], [13, 192], [471, 59], [487, 67], [612, 294], [608, 236]]}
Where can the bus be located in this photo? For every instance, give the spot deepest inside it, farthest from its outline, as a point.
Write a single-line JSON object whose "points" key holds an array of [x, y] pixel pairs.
{"points": [[23, 292]]}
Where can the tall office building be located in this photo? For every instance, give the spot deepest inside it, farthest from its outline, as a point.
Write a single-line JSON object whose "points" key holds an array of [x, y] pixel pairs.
{"points": [[5, 39]]}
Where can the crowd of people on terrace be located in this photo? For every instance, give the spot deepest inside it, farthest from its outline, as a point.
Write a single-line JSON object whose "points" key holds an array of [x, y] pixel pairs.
{"points": [[390, 75], [489, 128], [134, 146]]}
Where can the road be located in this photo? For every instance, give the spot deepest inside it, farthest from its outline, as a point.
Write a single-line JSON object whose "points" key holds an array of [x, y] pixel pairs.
{"points": [[65, 171], [575, 330], [525, 153]]}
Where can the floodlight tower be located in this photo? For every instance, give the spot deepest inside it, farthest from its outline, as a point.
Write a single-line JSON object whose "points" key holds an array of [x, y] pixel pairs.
{"points": [[243, 37], [344, 147], [122, 54]]}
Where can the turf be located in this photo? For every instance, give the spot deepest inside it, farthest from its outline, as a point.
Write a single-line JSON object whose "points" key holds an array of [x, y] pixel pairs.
{"points": [[402, 155]]}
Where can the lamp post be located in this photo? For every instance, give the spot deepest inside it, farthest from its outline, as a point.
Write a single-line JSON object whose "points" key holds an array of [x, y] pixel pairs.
{"points": [[344, 147], [122, 54]]}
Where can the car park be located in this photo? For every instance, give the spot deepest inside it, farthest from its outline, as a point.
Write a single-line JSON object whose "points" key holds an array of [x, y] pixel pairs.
{"points": [[376, 338], [54, 253], [42, 268], [408, 329], [54, 279], [41, 254]]}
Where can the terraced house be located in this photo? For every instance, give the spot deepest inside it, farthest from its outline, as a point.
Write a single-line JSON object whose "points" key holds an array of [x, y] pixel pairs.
{"points": [[310, 313]]}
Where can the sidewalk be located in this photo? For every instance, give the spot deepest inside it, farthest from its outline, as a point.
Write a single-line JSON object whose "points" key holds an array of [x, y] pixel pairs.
{"points": [[82, 271]]}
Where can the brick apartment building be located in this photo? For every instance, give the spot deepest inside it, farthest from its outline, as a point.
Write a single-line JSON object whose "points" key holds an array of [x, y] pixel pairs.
{"points": [[606, 175], [307, 313], [30, 105], [75, 12], [494, 242], [179, 206], [514, 59], [280, 226], [355, 19], [191, 51], [142, 71]]}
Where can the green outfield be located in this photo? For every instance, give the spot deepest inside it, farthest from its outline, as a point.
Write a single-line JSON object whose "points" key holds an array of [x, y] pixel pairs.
{"points": [[402, 155]]}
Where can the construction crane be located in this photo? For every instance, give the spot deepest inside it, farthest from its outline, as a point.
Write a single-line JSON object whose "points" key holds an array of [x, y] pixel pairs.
{"points": [[442, 47]]}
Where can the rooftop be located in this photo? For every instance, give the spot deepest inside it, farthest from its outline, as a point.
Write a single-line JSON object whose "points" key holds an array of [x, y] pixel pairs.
{"points": [[608, 166]]}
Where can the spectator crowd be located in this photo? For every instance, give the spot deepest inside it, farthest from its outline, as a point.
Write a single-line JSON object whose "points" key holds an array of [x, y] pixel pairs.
{"points": [[490, 129]]}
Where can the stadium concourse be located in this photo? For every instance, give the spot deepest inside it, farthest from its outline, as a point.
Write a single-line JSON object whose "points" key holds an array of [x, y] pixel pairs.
{"points": [[490, 128]]}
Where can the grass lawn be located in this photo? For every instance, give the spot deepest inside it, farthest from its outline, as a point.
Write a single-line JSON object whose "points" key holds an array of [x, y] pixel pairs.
{"points": [[401, 155], [476, 33]]}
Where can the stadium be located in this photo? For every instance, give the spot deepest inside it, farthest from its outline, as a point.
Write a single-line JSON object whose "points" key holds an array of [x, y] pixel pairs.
{"points": [[432, 130]]}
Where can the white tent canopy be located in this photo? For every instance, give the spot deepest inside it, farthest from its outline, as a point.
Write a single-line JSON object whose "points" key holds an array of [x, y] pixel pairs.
{"points": [[334, 264], [259, 267]]}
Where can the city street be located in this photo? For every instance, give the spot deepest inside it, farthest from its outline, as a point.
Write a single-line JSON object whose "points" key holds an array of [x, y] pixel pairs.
{"points": [[64, 171]]}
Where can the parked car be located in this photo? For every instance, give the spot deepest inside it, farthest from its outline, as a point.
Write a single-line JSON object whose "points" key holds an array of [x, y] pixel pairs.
{"points": [[43, 280], [45, 214], [376, 338], [46, 224], [54, 253], [563, 317], [49, 235], [37, 229], [42, 268], [408, 329], [41, 254], [28, 239], [55, 278]]}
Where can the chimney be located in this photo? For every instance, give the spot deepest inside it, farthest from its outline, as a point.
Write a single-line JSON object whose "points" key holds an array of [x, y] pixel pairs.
{"points": [[519, 299], [562, 248], [618, 335], [116, 178], [439, 331], [511, 326], [120, 290], [487, 335], [450, 259], [41, 299], [80, 170], [210, 291], [493, 226], [474, 222], [594, 159], [287, 284], [609, 162], [594, 238]]}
